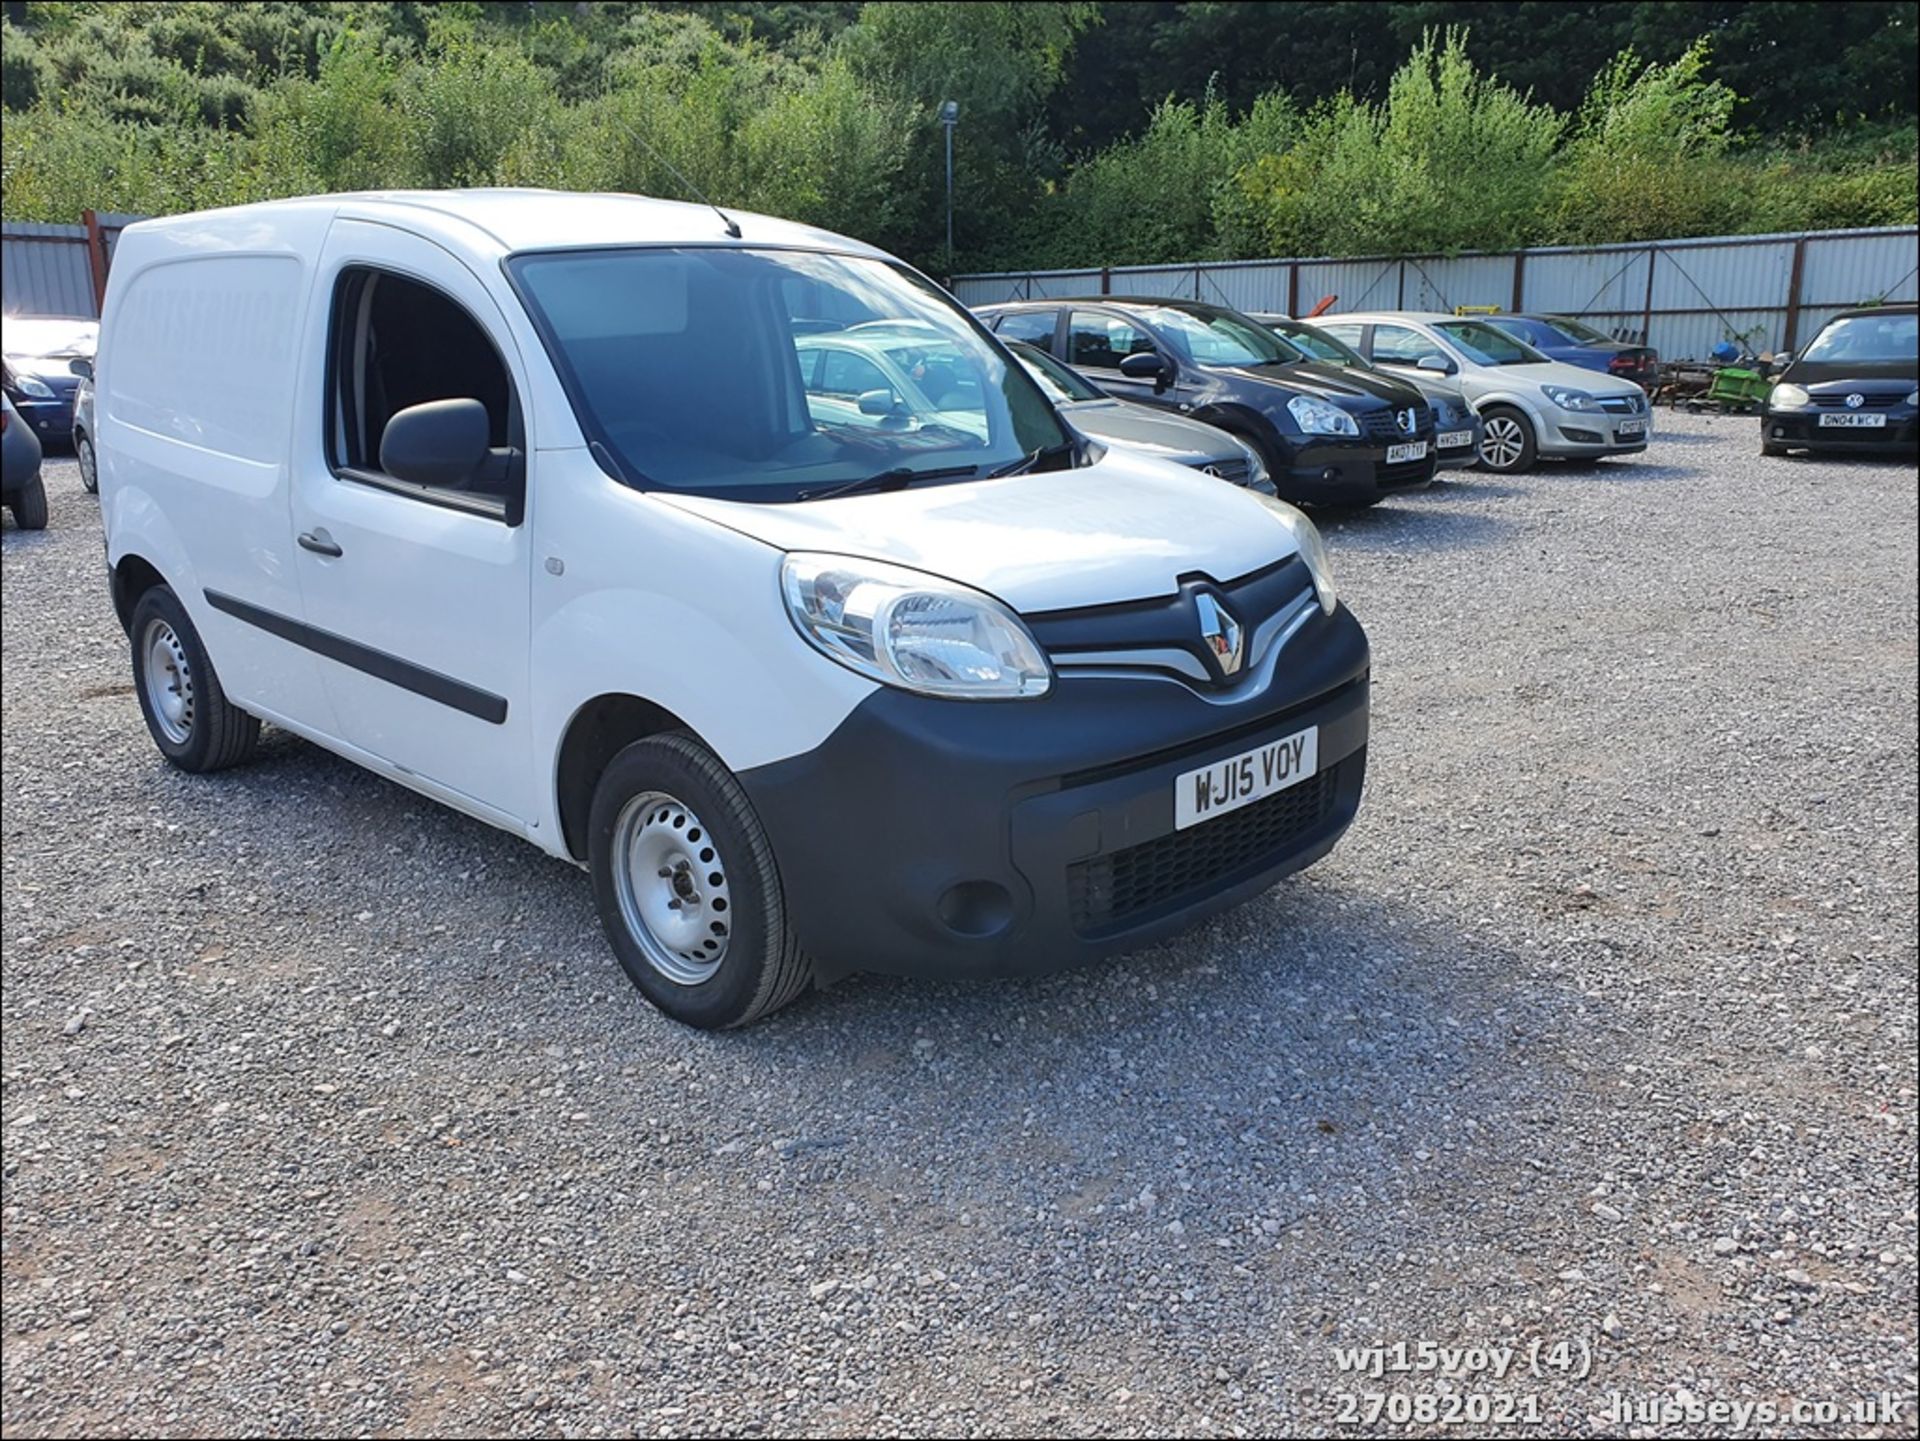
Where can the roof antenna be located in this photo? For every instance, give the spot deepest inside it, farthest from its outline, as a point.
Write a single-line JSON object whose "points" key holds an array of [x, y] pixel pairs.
{"points": [[733, 226]]}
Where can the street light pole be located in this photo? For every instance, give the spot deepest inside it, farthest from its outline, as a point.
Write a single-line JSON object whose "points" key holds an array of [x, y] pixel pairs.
{"points": [[949, 117]]}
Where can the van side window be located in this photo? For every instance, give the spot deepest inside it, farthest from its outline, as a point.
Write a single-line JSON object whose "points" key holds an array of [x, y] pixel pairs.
{"points": [[395, 343]]}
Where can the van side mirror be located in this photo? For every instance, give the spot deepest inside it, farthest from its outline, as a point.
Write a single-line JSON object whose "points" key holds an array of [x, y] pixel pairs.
{"points": [[440, 443], [1144, 365], [81, 367], [1439, 364]]}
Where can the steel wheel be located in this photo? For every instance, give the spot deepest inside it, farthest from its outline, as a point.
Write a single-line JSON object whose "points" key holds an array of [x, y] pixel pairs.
{"points": [[671, 884], [1502, 442], [168, 678]]}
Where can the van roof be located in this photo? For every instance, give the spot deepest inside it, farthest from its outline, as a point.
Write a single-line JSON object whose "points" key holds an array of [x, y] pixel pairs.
{"points": [[534, 219]]}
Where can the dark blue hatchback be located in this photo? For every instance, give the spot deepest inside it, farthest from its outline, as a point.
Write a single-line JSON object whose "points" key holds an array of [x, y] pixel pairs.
{"points": [[1561, 337]]}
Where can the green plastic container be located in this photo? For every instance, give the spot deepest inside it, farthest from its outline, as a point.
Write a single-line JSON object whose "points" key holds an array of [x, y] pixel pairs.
{"points": [[1734, 386]]}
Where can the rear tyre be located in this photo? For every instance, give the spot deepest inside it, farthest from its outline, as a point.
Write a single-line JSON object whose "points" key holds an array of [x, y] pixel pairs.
{"points": [[687, 887], [29, 506], [83, 452], [1507, 443], [188, 714]]}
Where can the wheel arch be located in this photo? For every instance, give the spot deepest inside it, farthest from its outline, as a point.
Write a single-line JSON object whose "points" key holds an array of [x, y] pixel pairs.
{"points": [[133, 576], [596, 732]]}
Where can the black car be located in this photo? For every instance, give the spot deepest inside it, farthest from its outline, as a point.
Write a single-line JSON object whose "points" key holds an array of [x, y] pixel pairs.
{"points": [[1852, 389], [1328, 435]]}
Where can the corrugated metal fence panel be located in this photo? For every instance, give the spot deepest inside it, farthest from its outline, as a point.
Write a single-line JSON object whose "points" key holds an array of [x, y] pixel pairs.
{"points": [[1358, 284], [1174, 280], [1693, 277], [44, 269], [1460, 280], [1846, 270], [1260, 286], [1596, 284]]}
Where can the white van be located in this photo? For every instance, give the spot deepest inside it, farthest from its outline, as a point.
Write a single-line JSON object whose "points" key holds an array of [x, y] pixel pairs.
{"points": [[538, 504]]}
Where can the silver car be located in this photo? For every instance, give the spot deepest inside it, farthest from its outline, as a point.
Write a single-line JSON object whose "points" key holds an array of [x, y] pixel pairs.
{"points": [[1529, 406], [1141, 427]]}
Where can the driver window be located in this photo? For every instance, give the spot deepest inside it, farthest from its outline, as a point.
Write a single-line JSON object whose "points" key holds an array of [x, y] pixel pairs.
{"points": [[1397, 345], [1101, 342]]}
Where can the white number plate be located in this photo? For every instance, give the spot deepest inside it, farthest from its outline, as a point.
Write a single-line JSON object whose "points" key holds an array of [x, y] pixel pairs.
{"points": [[1870, 422], [1453, 438], [1243, 779], [1632, 427], [1412, 450]]}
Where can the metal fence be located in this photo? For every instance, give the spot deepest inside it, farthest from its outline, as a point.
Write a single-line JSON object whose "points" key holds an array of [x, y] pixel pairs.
{"points": [[1681, 296], [58, 269]]}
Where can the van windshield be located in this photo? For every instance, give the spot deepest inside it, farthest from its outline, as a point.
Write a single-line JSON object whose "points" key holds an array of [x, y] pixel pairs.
{"points": [[765, 374]]}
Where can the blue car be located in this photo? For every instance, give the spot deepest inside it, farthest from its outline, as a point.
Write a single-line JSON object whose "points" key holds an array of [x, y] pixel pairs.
{"points": [[1577, 343], [38, 379]]}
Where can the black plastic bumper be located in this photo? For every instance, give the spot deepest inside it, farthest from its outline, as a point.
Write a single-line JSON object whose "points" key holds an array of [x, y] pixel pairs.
{"points": [[930, 837], [1324, 470], [1803, 428]]}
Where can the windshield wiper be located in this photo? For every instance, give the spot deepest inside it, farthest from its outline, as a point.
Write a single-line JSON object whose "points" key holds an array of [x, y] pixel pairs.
{"points": [[1028, 462], [897, 477]]}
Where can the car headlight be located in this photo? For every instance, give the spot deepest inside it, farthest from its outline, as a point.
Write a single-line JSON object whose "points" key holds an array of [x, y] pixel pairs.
{"points": [[1568, 399], [1319, 417], [1914, 398], [1313, 550], [1784, 394], [34, 386], [912, 630]]}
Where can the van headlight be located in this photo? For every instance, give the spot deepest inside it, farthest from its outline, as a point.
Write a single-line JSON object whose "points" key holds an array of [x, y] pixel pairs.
{"points": [[1313, 550], [1315, 416], [1787, 395], [912, 630], [1567, 399]]}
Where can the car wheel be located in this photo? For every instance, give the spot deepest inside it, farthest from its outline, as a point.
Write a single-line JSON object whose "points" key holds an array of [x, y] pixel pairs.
{"points": [[687, 887], [1507, 446], [83, 451], [188, 714], [29, 505]]}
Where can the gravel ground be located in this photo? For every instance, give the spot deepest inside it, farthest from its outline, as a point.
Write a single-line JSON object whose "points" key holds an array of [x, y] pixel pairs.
{"points": [[327, 1109]]}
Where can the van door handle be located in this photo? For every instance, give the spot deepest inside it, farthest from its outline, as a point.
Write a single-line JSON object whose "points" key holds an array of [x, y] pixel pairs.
{"points": [[319, 542]]}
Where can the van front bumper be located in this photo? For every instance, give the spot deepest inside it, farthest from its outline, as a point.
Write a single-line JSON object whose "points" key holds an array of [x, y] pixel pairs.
{"points": [[953, 838]]}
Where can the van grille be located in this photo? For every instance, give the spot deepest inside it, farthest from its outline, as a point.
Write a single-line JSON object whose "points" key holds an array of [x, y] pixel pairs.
{"points": [[1110, 892], [1234, 470]]}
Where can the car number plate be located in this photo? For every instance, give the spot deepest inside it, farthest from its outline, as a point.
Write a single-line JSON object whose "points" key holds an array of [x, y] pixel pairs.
{"points": [[1632, 427], [1243, 779], [1870, 422], [1453, 438], [1412, 450]]}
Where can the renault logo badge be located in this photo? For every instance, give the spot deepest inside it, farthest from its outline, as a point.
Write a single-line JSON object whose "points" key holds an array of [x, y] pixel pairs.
{"points": [[1220, 632]]}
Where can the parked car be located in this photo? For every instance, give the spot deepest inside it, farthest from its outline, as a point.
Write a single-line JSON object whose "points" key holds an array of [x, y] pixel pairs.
{"points": [[1091, 411], [1529, 406], [38, 350], [894, 380], [1853, 388], [1456, 439], [518, 499], [83, 450], [1326, 435], [1561, 337], [25, 493]]}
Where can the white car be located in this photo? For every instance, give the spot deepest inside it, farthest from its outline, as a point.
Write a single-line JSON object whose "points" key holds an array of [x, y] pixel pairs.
{"points": [[1529, 406], [517, 498]]}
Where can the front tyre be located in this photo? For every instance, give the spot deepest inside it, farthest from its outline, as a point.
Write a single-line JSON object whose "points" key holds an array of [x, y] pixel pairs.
{"points": [[687, 888], [1507, 443], [188, 714], [29, 505], [89, 467]]}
